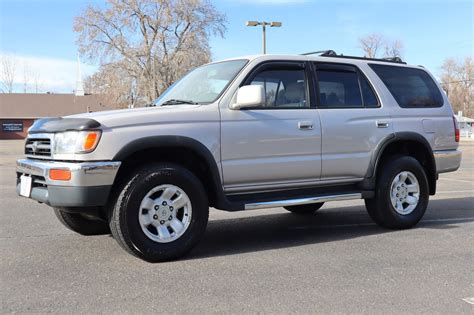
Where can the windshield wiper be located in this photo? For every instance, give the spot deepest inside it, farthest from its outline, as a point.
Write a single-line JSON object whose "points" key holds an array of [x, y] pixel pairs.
{"points": [[176, 102]]}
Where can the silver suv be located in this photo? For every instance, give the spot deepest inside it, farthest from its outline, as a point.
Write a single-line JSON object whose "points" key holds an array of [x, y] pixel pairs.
{"points": [[247, 133]]}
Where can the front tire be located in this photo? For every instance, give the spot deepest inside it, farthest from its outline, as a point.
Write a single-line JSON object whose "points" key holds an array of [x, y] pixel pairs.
{"points": [[401, 195], [81, 224], [305, 209], [161, 213]]}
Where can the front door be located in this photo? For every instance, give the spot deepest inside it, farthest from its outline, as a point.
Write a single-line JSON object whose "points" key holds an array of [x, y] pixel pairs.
{"points": [[276, 145]]}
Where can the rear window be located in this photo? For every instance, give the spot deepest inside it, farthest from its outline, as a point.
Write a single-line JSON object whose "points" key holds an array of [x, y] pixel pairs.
{"points": [[410, 87]]}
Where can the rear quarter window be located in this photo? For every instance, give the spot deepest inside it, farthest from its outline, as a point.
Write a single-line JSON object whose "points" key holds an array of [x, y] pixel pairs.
{"points": [[411, 88]]}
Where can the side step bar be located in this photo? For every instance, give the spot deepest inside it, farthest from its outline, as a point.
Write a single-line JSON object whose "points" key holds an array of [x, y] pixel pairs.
{"points": [[302, 201]]}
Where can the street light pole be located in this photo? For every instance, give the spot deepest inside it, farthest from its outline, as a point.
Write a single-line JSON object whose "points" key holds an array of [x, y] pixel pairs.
{"points": [[264, 30]]}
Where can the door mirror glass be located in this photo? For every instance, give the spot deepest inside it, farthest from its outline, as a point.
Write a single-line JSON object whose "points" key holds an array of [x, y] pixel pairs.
{"points": [[249, 96]]}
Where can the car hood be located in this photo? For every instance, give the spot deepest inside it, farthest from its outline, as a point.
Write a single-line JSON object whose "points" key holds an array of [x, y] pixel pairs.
{"points": [[138, 116], [117, 118]]}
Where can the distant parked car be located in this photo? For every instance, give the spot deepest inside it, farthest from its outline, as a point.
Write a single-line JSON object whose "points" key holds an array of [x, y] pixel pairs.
{"points": [[247, 133], [466, 125]]}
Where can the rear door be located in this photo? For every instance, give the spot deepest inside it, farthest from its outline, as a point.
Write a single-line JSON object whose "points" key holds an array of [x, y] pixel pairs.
{"points": [[353, 121]]}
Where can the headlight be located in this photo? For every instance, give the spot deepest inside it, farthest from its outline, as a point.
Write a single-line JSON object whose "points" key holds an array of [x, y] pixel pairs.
{"points": [[72, 142]]}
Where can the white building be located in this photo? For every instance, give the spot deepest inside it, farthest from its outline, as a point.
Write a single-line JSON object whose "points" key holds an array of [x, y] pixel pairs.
{"points": [[466, 125]]}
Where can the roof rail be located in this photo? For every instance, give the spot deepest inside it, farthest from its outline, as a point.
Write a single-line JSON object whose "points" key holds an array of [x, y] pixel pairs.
{"points": [[321, 53], [333, 54], [393, 59]]}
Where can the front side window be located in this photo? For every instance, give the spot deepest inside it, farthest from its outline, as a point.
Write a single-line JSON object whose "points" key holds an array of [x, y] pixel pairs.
{"points": [[343, 87], [284, 88], [409, 86], [202, 85]]}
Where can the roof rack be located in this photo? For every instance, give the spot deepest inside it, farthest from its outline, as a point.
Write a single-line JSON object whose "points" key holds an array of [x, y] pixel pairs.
{"points": [[321, 53], [333, 54]]}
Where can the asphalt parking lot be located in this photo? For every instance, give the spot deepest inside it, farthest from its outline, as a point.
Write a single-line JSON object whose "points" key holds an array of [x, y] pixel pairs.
{"points": [[270, 261]]}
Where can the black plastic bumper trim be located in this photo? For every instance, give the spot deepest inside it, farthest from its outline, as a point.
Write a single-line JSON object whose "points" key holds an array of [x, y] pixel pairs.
{"points": [[62, 196]]}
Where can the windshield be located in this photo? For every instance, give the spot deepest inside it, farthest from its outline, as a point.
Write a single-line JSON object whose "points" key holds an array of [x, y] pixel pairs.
{"points": [[202, 85]]}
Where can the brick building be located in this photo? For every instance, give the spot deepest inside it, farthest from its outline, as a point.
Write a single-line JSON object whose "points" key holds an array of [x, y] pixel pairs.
{"points": [[18, 111]]}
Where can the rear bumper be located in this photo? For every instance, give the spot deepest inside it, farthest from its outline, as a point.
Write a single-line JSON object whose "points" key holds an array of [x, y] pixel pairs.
{"points": [[89, 185], [447, 160]]}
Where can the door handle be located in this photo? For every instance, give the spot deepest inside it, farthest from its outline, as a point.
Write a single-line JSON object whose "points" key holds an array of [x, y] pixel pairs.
{"points": [[382, 124], [305, 125]]}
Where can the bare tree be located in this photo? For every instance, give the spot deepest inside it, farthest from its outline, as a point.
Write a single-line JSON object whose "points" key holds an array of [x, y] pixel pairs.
{"points": [[457, 79], [37, 82], [393, 49], [7, 73], [154, 42], [114, 83], [26, 76], [373, 44]]}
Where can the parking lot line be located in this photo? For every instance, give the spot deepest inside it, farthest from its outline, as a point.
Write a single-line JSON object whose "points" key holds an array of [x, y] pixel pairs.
{"points": [[468, 219], [455, 191], [456, 180]]}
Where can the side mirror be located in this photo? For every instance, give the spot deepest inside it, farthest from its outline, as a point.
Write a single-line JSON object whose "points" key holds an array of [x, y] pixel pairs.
{"points": [[249, 96]]}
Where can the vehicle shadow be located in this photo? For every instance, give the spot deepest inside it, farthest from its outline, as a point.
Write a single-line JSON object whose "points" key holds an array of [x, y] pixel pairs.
{"points": [[284, 230]]}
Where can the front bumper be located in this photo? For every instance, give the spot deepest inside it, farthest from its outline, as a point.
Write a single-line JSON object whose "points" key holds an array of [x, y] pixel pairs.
{"points": [[447, 160], [89, 185]]}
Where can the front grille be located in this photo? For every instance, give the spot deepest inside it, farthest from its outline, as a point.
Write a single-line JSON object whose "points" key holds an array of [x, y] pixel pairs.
{"points": [[38, 147]]}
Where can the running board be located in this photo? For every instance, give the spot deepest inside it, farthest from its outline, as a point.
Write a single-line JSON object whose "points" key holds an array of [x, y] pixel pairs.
{"points": [[302, 201]]}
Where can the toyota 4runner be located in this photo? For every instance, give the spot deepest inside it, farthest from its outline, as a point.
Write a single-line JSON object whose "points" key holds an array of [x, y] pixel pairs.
{"points": [[247, 133]]}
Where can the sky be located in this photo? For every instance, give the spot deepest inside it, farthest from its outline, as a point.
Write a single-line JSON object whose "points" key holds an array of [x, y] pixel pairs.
{"points": [[39, 34]]}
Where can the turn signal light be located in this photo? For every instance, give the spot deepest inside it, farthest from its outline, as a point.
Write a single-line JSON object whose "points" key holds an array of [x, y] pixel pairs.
{"points": [[59, 174], [91, 141]]}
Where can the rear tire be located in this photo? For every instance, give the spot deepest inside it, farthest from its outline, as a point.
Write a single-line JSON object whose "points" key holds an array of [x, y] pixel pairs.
{"points": [[81, 224], [149, 221], [401, 195], [305, 209]]}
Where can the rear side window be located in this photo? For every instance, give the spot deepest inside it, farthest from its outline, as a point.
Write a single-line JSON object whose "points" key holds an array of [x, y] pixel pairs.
{"points": [[410, 87], [370, 100], [339, 89], [343, 86]]}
